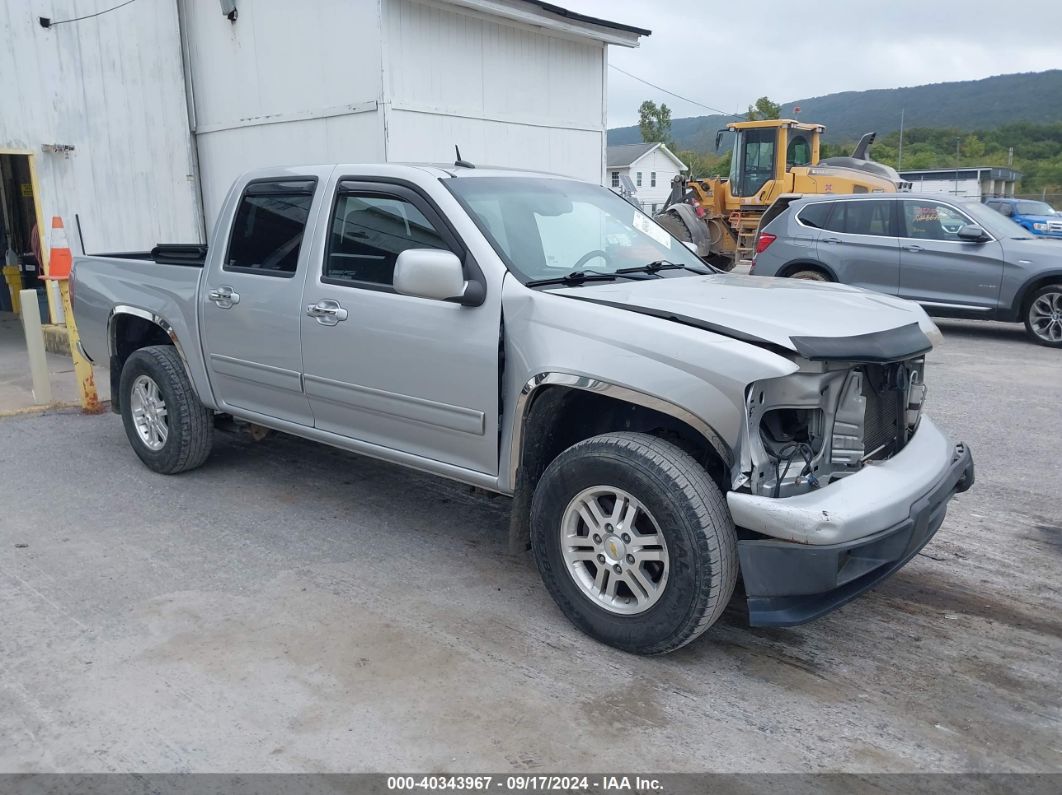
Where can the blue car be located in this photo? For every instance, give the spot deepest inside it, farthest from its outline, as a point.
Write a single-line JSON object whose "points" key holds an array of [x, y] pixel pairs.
{"points": [[1038, 217]]}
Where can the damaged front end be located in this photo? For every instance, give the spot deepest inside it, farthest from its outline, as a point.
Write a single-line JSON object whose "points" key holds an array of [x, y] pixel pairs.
{"points": [[825, 422], [840, 480]]}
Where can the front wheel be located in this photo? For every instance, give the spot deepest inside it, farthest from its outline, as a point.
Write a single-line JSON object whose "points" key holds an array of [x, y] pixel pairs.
{"points": [[634, 542], [1043, 316], [167, 426]]}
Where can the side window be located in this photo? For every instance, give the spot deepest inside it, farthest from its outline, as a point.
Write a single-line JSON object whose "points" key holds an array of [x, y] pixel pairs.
{"points": [[369, 232], [268, 228], [929, 220], [815, 215], [862, 218]]}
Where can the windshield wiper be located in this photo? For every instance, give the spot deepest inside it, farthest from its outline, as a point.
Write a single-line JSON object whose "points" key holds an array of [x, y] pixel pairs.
{"points": [[575, 277], [661, 265]]}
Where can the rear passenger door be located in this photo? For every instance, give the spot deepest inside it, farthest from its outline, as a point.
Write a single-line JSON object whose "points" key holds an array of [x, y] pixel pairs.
{"points": [[858, 242], [250, 301], [409, 374]]}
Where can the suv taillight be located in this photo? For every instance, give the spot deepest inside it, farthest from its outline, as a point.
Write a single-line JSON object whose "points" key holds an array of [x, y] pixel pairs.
{"points": [[763, 241]]}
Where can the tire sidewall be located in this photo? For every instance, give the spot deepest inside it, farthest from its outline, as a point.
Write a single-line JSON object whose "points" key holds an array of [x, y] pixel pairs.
{"points": [[809, 275], [144, 362], [687, 581], [1051, 288]]}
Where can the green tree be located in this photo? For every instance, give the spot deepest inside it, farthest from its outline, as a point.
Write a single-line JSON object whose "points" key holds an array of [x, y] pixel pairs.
{"points": [[764, 109], [655, 122]]}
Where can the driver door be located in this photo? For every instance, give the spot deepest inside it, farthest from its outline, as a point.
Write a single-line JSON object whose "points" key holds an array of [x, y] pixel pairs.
{"points": [[940, 270]]}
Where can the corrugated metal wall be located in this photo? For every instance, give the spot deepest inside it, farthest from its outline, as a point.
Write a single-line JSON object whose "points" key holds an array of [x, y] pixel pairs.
{"points": [[404, 89], [287, 83], [112, 87], [508, 95]]}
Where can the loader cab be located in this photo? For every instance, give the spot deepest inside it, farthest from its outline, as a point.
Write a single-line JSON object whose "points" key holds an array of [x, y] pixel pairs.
{"points": [[766, 150]]}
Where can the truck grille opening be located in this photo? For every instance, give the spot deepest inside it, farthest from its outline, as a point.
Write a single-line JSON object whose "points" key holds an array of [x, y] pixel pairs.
{"points": [[885, 390]]}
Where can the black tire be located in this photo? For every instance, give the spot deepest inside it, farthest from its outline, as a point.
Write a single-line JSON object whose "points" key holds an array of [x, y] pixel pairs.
{"points": [[190, 424], [690, 512], [673, 224], [1052, 294], [809, 274]]}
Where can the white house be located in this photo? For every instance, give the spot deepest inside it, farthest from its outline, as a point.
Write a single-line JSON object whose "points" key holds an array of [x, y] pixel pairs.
{"points": [[135, 120], [650, 166]]}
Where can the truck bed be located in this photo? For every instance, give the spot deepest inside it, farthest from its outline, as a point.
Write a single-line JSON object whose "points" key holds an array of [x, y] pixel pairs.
{"points": [[162, 283]]}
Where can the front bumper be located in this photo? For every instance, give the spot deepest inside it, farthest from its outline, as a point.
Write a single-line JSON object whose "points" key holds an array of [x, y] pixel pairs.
{"points": [[788, 582]]}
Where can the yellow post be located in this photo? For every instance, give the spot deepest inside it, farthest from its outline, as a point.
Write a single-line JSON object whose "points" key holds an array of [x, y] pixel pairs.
{"points": [[13, 277], [86, 382]]}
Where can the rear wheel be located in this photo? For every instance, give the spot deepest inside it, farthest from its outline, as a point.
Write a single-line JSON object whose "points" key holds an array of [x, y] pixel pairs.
{"points": [[810, 274], [1043, 316], [634, 542], [167, 426]]}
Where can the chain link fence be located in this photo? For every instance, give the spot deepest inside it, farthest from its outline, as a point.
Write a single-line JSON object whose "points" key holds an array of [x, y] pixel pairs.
{"points": [[1054, 199]]}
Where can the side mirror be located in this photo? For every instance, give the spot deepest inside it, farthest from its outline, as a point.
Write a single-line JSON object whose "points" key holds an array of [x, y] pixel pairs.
{"points": [[691, 246], [435, 274], [972, 233]]}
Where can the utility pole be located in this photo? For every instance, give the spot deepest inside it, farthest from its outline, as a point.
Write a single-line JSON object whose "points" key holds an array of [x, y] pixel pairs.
{"points": [[899, 156], [957, 140]]}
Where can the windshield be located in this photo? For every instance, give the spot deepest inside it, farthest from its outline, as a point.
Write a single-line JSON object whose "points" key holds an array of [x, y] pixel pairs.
{"points": [[547, 228], [1034, 208]]}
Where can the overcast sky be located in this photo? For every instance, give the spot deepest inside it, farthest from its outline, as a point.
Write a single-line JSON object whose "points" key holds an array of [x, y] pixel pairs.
{"points": [[790, 50]]}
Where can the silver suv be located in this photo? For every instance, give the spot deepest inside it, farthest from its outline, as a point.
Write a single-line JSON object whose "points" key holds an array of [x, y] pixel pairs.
{"points": [[955, 258]]}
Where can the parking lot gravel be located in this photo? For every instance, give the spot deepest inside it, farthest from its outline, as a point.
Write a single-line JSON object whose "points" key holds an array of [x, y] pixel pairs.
{"points": [[290, 607]]}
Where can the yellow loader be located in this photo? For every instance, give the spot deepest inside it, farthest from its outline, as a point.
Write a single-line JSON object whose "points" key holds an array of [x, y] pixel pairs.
{"points": [[772, 159]]}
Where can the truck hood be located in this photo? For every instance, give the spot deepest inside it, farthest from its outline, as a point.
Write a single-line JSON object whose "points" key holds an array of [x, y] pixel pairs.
{"points": [[785, 313]]}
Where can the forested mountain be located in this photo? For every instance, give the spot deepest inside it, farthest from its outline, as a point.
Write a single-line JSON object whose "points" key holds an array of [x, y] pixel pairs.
{"points": [[966, 106]]}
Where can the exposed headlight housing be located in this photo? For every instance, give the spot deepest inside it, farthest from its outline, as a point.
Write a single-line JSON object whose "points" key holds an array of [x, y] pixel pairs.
{"points": [[827, 421]]}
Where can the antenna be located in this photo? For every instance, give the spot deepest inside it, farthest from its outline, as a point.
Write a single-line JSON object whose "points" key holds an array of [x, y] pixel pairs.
{"points": [[459, 162]]}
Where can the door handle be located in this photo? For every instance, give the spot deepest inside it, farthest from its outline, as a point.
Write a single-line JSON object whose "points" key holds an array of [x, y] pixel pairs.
{"points": [[224, 297], [326, 312], [831, 240], [914, 247]]}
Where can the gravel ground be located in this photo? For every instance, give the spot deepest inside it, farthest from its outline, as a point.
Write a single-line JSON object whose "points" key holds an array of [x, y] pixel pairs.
{"points": [[290, 607]]}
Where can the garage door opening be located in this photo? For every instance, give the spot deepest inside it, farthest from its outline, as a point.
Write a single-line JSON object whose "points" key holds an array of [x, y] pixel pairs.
{"points": [[21, 226]]}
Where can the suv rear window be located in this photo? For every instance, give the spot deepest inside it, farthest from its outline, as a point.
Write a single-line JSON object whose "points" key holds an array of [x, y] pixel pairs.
{"points": [[815, 215]]}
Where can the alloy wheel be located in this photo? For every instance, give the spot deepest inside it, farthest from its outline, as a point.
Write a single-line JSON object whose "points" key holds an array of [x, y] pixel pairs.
{"points": [[1045, 316], [149, 412], [614, 550]]}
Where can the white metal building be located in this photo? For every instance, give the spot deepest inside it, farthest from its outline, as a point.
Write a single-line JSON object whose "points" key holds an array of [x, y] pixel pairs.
{"points": [[156, 105], [965, 183], [650, 166]]}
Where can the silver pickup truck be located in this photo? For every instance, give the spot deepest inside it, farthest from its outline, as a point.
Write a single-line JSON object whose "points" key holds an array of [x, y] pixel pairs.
{"points": [[662, 428]]}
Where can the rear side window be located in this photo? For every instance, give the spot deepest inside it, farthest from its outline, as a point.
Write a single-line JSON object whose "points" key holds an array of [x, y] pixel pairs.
{"points": [[369, 232], [268, 229], [815, 215], [862, 218]]}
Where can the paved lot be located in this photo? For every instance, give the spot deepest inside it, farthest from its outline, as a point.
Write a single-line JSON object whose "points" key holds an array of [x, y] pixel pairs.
{"points": [[290, 607], [16, 385]]}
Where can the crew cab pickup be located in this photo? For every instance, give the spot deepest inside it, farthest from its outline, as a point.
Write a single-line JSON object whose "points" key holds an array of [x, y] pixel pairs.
{"points": [[661, 427]]}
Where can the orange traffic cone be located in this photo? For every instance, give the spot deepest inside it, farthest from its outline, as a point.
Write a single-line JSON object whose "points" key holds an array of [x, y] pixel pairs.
{"points": [[61, 260]]}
